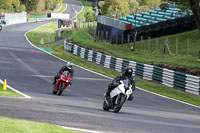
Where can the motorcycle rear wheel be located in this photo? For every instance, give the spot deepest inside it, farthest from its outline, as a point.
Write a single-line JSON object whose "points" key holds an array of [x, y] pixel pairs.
{"points": [[61, 89], [120, 102]]}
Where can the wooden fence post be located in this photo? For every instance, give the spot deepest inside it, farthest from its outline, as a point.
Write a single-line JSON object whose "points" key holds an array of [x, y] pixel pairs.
{"points": [[98, 35], [94, 34], [176, 46], [166, 48], [116, 38], [141, 42], [157, 43], [122, 38], [84, 35], [128, 40], [102, 35], [149, 43], [134, 45], [106, 35], [110, 37], [188, 46], [199, 51]]}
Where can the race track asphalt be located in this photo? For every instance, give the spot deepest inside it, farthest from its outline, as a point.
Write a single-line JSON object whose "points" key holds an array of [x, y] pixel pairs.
{"points": [[31, 71]]}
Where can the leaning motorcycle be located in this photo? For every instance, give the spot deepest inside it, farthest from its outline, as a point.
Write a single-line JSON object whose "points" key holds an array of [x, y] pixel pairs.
{"points": [[118, 96], [62, 83]]}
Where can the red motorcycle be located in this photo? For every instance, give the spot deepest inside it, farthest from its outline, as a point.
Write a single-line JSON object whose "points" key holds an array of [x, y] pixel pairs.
{"points": [[62, 83]]}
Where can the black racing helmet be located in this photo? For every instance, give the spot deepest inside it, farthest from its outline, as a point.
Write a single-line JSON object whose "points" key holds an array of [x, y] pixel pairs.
{"points": [[69, 65], [128, 72]]}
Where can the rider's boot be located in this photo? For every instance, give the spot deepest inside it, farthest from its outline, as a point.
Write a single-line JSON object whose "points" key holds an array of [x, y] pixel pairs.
{"points": [[54, 82], [107, 95], [107, 98], [130, 98]]}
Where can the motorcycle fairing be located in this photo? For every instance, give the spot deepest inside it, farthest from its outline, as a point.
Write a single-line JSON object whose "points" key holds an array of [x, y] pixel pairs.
{"points": [[119, 89]]}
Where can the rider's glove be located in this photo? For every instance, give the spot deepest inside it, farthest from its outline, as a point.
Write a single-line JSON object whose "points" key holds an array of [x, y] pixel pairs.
{"points": [[70, 83], [115, 84]]}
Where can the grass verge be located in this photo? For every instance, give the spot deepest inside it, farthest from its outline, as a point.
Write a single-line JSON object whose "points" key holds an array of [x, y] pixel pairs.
{"points": [[8, 92], [64, 5], [88, 7], [22, 126], [44, 34]]}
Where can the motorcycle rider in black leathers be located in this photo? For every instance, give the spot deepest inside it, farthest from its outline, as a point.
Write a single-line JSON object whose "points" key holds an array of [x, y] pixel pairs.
{"points": [[68, 68], [124, 75]]}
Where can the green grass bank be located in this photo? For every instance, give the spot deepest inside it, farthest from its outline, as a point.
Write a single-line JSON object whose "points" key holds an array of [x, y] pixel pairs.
{"points": [[87, 8], [9, 125], [44, 34], [8, 92]]}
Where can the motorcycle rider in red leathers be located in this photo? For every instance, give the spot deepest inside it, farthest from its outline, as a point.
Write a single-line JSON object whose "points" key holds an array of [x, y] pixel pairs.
{"points": [[68, 68]]}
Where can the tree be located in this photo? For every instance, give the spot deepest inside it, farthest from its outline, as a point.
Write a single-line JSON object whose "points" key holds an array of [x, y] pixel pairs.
{"points": [[6, 4], [149, 2], [111, 6], [132, 3], [23, 8], [16, 5], [194, 5], [51, 4], [30, 5], [105, 6], [89, 16], [12, 5]]}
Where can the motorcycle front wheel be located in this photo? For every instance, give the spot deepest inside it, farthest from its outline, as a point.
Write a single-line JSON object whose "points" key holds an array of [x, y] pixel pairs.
{"points": [[120, 101], [61, 89], [54, 92], [105, 106]]}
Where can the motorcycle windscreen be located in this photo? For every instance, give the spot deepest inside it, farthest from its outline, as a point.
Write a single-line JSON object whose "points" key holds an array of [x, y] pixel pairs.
{"points": [[126, 83], [127, 86], [119, 89], [67, 75]]}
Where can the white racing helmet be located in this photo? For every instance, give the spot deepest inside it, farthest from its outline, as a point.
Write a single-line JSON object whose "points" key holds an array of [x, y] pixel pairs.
{"points": [[69, 65]]}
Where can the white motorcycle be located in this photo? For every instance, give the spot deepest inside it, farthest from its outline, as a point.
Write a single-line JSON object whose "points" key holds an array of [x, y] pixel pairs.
{"points": [[118, 96]]}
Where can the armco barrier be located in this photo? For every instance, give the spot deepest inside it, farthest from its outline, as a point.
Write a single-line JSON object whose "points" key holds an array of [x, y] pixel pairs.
{"points": [[177, 80]]}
